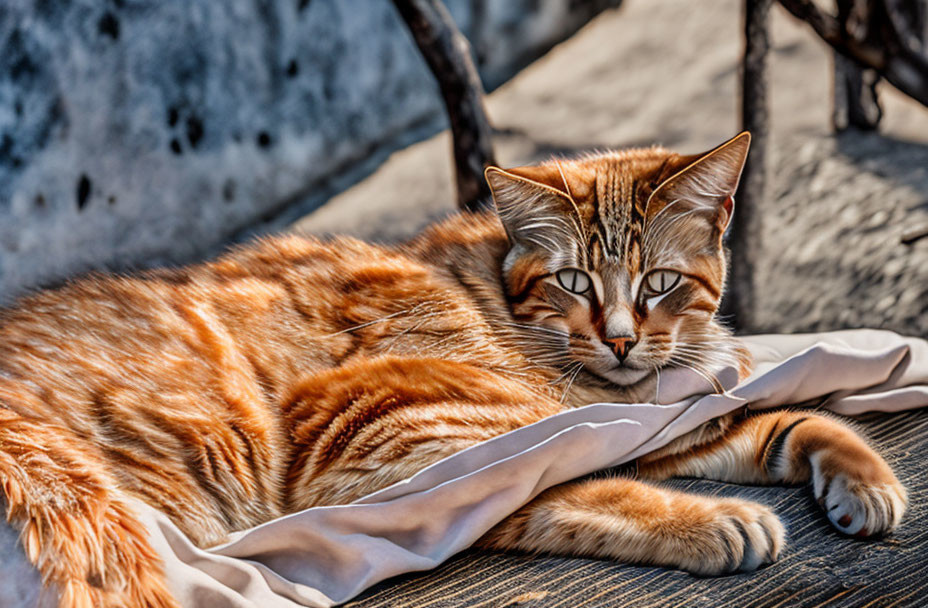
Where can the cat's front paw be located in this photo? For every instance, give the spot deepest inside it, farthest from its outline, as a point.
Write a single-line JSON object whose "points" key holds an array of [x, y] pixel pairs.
{"points": [[861, 498], [732, 536]]}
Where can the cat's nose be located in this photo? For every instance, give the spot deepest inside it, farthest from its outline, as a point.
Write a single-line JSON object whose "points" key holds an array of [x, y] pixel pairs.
{"points": [[620, 345]]}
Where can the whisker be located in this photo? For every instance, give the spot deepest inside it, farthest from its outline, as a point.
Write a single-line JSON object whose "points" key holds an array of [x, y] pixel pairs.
{"points": [[565, 374], [538, 328], [716, 385], [375, 321], [657, 389], [571, 382]]}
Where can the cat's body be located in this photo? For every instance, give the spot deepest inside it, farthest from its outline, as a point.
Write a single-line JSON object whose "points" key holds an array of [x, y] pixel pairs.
{"points": [[298, 372]]}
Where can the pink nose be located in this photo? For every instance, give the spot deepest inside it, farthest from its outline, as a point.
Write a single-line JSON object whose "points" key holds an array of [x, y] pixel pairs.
{"points": [[620, 345]]}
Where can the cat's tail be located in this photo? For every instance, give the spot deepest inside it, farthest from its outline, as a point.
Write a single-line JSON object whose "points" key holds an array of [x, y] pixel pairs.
{"points": [[76, 527]]}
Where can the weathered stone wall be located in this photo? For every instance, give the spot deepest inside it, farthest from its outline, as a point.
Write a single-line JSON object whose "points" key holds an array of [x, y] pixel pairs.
{"points": [[142, 132]]}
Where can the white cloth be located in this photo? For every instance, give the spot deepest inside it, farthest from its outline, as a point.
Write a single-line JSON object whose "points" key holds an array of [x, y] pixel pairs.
{"points": [[327, 555]]}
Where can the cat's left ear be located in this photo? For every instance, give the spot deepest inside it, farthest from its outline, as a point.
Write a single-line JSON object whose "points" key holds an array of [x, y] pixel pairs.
{"points": [[707, 183]]}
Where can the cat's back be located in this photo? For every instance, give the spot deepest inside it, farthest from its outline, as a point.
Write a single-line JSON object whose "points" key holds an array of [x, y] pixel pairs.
{"points": [[286, 292], [270, 311]]}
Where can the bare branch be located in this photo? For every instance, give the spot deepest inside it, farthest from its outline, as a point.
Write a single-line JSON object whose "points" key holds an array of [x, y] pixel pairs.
{"points": [[892, 57], [447, 53], [906, 36], [746, 229], [856, 100]]}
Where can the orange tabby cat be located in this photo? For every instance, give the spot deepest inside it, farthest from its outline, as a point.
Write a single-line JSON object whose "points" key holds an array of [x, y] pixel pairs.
{"points": [[297, 372]]}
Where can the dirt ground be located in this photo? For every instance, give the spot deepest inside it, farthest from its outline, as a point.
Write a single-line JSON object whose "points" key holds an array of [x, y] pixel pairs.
{"points": [[660, 71]]}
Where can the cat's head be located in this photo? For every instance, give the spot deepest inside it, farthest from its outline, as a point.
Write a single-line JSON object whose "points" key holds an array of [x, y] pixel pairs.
{"points": [[616, 259]]}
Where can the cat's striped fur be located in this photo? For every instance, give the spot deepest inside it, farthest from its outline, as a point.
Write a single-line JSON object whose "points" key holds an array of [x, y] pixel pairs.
{"points": [[297, 372]]}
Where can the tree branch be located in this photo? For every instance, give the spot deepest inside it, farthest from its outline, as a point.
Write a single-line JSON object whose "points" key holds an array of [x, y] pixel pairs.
{"points": [[894, 59], [856, 100], [447, 53], [747, 228]]}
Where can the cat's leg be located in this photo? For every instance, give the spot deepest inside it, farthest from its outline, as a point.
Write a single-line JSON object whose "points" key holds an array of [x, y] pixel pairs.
{"points": [[853, 484], [76, 529], [631, 521]]}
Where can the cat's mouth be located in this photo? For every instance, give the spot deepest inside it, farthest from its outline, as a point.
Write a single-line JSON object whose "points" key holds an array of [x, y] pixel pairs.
{"points": [[617, 373], [600, 362], [625, 376]]}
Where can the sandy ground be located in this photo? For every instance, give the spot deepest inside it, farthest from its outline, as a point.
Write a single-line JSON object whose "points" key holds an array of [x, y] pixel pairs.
{"points": [[836, 237], [658, 71]]}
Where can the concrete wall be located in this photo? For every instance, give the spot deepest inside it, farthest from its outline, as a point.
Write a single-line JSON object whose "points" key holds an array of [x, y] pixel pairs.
{"points": [[144, 132]]}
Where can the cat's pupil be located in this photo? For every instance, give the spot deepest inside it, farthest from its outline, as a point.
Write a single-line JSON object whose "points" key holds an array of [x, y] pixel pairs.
{"points": [[573, 280], [662, 281]]}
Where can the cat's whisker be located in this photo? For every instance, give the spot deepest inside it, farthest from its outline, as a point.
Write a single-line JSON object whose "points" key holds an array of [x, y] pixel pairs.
{"points": [[550, 361], [538, 328], [570, 383], [709, 367], [558, 341], [412, 329], [702, 361], [715, 355], [565, 374], [399, 313], [716, 385], [657, 388]]}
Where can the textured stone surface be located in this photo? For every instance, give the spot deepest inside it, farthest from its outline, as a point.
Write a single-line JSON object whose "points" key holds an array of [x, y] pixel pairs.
{"points": [[136, 132], [21, 585], [833, 234]]}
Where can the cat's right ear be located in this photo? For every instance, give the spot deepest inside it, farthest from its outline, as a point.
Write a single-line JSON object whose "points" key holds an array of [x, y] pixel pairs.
{"points": [[534, 214], [707, 184]]}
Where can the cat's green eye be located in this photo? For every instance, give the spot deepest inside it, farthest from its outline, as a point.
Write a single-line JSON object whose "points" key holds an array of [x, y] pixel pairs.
{"points": [[573, 280], [661, 281]]}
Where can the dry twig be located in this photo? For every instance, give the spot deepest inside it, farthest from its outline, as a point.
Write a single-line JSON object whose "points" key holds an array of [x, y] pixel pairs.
{"points": [[746, 223], [447, 53], [889, 44]]}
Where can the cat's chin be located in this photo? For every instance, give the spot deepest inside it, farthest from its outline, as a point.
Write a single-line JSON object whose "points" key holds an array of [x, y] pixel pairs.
{"points": [[625, 376]]}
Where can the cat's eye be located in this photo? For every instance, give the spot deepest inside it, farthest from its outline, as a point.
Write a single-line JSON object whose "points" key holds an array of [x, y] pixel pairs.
{"points": [[573, 280], [661, 281]]}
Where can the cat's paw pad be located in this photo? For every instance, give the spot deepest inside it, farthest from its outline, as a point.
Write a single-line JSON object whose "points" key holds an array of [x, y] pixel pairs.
{"points": [[859, 501], [862, 509], [741, 537]]}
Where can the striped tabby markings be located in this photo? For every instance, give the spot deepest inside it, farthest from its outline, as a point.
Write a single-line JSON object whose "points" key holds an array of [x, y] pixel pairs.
{"points": [[296, 372]]}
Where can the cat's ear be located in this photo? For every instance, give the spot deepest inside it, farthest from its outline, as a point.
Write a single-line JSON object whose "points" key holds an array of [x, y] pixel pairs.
{"points": [[706, 183], [534, 213]]}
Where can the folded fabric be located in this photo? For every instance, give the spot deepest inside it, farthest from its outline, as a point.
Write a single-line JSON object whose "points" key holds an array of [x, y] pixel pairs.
{"points": [[327, 555]]}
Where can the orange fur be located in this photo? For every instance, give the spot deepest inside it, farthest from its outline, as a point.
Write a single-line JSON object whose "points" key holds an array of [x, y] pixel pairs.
{"points": [[296, 372]]}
